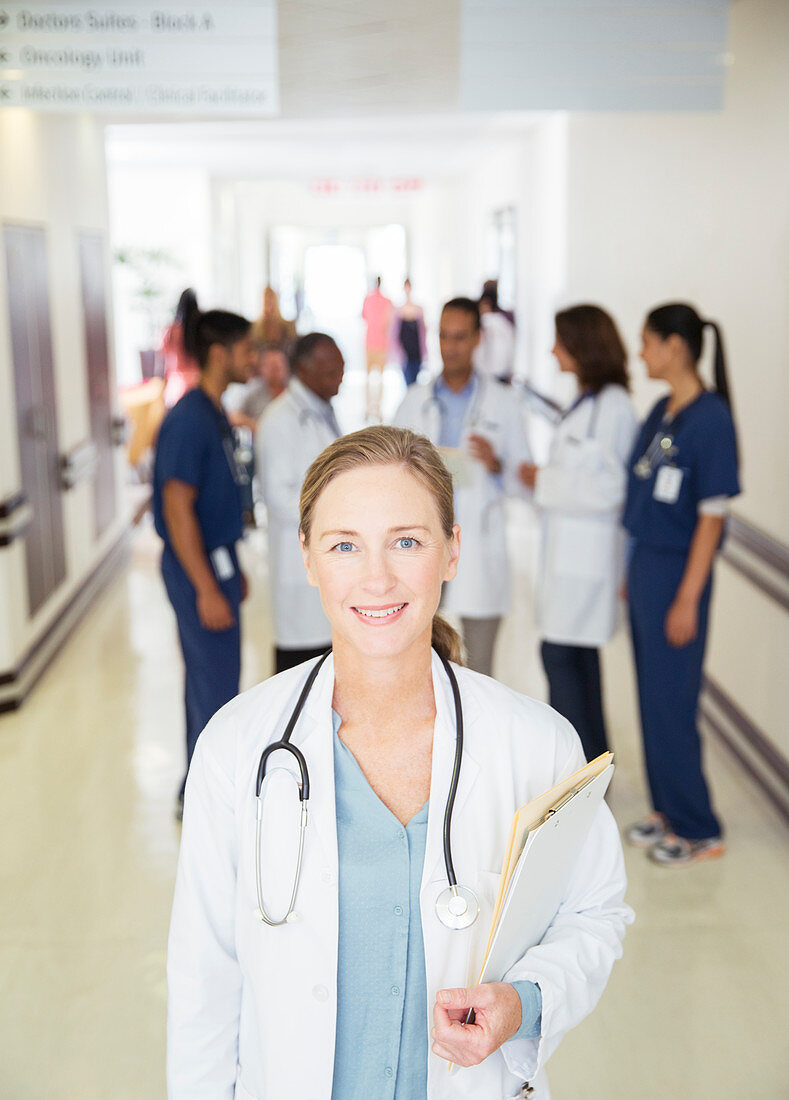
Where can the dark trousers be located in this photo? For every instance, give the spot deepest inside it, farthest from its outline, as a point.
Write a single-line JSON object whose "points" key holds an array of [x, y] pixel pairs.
{"points": [[411, 369], [669, 680], [212, 658], [289, 658], [573, 673]]}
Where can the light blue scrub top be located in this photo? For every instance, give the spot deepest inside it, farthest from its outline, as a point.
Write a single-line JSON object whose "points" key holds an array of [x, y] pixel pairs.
{"points": [[382, 1035], [453, 410]]}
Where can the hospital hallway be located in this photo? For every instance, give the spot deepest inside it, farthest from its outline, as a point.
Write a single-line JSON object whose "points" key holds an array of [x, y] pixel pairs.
{"points": [[554, 239], [89, 768]]}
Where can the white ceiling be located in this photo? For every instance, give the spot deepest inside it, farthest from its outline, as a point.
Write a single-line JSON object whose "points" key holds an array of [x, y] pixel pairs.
{"points": [[373, 86], [428, 146]]}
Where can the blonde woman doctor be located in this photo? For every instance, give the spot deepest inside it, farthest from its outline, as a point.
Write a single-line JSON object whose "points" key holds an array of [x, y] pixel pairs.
{"points": [[581, 493], [363, 991]]}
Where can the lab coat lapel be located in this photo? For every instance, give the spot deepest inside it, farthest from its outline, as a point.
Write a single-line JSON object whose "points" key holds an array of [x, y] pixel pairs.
{"points": [[317, 743], [444, 741]]}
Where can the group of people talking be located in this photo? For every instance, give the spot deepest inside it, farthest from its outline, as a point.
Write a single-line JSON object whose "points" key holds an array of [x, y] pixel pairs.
{"points": [[371, 535]]}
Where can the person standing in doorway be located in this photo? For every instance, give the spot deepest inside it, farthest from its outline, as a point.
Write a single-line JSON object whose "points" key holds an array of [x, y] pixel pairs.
{"points": [[580, 494], [293, 431], [476, 424], [682, 473], [408, 336], [198, 514], [377, 313], [271, 329]]}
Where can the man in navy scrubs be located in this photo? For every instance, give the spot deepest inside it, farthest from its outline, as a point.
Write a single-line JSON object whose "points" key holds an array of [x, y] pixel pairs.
{"points": [[198, 513]]}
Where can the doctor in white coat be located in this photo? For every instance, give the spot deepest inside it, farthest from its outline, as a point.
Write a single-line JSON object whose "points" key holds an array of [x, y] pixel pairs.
{"points": [[293, 431], [362, 992], [581, 493], [477, 425]]}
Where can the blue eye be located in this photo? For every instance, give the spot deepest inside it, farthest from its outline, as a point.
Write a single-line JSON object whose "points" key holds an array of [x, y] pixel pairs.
{"points": [[344, 547], [407, 542]]}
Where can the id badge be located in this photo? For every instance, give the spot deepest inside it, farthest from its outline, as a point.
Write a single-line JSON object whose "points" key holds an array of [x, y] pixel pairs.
{"points": [[668, 484], [222, 563]]}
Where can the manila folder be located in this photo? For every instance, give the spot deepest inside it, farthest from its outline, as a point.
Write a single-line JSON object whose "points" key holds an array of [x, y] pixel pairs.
{"points": [[541, 877]]}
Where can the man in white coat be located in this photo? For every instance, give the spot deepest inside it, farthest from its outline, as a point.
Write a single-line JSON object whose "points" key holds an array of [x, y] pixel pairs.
{"points": [[293, 431], [476, 424]]}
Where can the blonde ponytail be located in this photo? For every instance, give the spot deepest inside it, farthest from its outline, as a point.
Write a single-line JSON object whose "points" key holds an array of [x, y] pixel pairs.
{"points": [[446, 641]]}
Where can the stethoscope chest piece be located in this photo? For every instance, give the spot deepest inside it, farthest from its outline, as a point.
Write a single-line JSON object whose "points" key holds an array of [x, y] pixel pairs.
{"points": [[457, 907]]}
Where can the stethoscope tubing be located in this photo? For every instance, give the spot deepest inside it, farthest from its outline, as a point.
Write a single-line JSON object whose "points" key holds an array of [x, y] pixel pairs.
{"points": [[304, 790]]}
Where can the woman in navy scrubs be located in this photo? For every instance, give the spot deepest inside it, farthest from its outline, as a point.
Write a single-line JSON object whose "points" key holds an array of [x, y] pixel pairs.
{"points": [[197, 511], [683, 470]]}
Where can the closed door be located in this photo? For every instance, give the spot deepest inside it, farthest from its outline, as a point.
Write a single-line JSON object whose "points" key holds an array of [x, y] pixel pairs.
{"points": [[31, 341], [94, 306]]}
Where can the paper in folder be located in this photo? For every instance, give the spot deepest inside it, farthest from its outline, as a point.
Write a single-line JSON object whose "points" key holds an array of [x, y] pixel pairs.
{"points": [[546, 839]]}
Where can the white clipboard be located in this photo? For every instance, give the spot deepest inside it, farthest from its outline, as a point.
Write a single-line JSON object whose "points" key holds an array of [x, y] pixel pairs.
{"points": [[542, 874]]}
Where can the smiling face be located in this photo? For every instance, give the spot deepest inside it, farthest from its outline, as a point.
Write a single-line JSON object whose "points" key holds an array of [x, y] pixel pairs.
{"points": [[379, 555]]}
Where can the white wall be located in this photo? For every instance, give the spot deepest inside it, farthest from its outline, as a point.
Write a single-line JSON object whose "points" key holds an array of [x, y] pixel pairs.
{"points": [[52, 175], [158, 208], [696, 207]]}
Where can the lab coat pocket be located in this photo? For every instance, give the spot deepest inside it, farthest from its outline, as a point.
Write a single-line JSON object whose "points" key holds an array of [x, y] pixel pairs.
{"points": [[581, 547]]}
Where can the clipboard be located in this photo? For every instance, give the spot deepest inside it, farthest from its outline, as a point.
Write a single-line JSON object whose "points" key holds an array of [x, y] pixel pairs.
{"points": [[546, 840]]}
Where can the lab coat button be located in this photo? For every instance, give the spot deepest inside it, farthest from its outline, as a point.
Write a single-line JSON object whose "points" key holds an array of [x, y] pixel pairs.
{"points": [[320, 993], [327, 876]]}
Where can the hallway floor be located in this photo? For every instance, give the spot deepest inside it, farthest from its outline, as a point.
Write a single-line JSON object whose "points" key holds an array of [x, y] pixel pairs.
{"points": [[696, 1010]]}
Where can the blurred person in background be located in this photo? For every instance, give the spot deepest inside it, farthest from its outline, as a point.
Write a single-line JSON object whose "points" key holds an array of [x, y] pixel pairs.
{"points": [[477, 426], [293, 431], [580, 494], [245, 404], [271, 329], [408, 338], [682, 473], [495, 354], [198, 514], [181, 370], [377, 311]]}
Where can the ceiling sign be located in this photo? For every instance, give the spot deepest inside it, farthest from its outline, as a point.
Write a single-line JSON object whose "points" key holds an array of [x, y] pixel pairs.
{"points": [[364, 185], [591, 55], [140, 57]]}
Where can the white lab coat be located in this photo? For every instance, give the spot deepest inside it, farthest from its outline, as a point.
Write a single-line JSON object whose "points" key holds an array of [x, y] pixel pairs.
{"points": [[495, 354], [482, 586], [292, 433], [581, 493], [252, 1009]]}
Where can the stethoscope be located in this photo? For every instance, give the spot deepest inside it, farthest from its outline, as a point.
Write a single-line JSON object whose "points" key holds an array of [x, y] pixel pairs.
{"points": [[307, 413], [234, 454], [457, 906], [474, 413], [661, 450]]}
